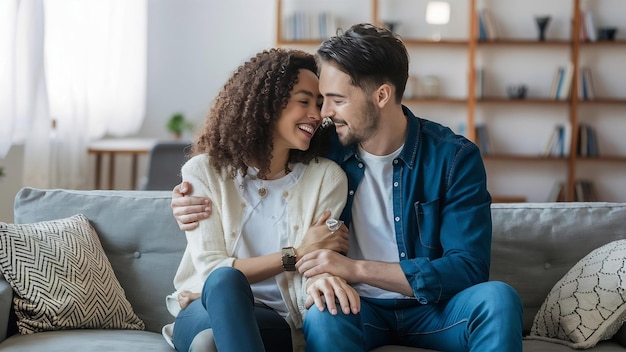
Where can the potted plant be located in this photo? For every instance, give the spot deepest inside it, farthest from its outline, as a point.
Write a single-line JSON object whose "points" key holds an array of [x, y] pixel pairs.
{"points": [[177, 124]]}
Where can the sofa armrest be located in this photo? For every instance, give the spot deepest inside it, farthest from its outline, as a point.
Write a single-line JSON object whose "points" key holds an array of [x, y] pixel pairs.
{"points": [[6, 297]]}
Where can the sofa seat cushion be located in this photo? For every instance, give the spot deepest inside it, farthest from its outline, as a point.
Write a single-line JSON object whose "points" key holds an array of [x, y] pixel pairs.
{"points": [[62, 277], [87, 340]]}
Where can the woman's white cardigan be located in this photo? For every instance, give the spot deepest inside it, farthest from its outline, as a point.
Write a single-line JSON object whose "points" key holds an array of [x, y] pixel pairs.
{"points": [[322, 186]]}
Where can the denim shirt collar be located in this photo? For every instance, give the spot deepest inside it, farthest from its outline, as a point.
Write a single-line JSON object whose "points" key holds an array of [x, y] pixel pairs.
{"points": [[411, 142]]}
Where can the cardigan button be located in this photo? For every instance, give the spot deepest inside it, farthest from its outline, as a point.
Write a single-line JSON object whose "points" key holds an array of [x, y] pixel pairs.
{"points": [[137, 255], [547, 266]]}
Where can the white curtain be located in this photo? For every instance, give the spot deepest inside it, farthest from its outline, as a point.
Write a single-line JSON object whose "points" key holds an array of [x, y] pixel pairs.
{"points": [[96, 72], [22, 84], [94, 54]]}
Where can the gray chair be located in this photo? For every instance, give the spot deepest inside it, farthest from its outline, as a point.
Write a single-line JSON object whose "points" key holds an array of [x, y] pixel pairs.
{"points": [[166, 159]]}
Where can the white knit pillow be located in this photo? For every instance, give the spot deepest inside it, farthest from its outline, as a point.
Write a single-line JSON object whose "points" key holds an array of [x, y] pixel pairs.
{"points": [[588, 304], [62, 278]]}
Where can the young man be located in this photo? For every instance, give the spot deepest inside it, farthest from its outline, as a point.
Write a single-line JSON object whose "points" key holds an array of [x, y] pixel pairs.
{"points": [[419, 216]]}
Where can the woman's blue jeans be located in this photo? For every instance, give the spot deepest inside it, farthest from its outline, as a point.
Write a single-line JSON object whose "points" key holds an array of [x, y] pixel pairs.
{"points": [[485, 317], [227, 306]]}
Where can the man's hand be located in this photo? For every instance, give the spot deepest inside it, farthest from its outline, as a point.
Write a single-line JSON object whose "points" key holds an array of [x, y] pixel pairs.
{"points": [[327, 262], [189, 210], [326, 290], [319, 236]]}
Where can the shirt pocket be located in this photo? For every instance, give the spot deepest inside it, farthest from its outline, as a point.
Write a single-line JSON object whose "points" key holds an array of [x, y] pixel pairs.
{"points": [[428, 223]]}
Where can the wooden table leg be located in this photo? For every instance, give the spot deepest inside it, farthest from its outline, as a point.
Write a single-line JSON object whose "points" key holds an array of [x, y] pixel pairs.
{"points": [[111, 169], [98, 170], [133, 175]]}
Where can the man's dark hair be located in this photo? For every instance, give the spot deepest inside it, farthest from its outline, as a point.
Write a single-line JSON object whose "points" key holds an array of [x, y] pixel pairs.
{"points": [[370, 55]]}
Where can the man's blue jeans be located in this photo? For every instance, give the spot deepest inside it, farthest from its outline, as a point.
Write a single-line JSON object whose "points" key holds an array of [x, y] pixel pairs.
{"points": [[227, 306], [485, 317]]}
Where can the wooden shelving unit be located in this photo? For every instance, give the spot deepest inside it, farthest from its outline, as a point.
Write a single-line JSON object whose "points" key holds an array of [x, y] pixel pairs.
{"points": [[572, 46]]}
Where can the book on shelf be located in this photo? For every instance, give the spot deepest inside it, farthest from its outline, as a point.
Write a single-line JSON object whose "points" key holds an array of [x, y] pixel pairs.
{"points": [[586, 90], [584, 192], [559, 141], [565, 82], [306, 26], [558, 76], [587, 141], [487, 28], [480, 83], [557, 193], [590, 26], [482, 139]]}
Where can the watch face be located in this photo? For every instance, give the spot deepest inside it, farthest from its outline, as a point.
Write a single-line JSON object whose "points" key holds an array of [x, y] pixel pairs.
{"points": [[289, 259]]}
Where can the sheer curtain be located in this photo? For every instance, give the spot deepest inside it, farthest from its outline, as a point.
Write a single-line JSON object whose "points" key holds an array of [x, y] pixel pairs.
{"points": [[94, 55]]}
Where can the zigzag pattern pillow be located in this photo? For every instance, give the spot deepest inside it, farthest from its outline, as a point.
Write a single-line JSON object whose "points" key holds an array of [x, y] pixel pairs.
{"points": [[62, 278]]}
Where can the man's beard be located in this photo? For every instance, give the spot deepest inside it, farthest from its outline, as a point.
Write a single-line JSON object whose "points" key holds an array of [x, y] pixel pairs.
{"points": [[370, 120]]}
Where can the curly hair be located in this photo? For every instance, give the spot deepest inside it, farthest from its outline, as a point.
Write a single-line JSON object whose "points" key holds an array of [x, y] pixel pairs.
{"points": [[239, 127]]}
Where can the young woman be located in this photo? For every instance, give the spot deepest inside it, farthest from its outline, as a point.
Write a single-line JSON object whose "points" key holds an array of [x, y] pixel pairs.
{"points": [[257, 158]]}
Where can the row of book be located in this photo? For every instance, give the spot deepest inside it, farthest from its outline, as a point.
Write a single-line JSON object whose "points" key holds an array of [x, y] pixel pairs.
{"points": [[562, 82], [558, 144], [487, 28], [583, 192], [587, 29], [308, 26], [560, 140], [587, 141]]}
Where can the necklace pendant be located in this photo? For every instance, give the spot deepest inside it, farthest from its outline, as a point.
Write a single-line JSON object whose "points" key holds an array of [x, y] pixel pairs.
{"points": [[262, 191]]}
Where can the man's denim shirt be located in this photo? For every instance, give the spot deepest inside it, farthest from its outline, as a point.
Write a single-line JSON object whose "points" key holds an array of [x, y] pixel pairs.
{"points": [[441, 208]]}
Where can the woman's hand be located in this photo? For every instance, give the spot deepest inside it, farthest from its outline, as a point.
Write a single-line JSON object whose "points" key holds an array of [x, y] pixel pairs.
{"points": [[320, 237]]}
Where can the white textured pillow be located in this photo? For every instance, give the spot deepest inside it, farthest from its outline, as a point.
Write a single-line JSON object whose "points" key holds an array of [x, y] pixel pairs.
{"points": [[62, 277], [588, 304]]}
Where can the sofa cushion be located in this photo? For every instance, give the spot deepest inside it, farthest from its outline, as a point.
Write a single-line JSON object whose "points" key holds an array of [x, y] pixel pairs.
{"points": [[62, 277], [92, 340], [138, 233], [588, 304], [535, 244]]}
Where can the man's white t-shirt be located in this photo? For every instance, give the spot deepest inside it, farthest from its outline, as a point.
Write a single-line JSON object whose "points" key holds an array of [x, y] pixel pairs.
{"points": [[372, 233]]}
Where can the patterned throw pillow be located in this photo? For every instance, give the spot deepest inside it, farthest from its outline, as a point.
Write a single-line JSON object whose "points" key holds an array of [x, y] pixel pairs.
{"points": [[588, 304], [62, 278]]}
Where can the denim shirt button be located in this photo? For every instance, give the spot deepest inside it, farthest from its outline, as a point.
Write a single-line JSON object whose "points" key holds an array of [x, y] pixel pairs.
{"points": [[402, 255], [360, 165], [351, 192], [395, 184], [395, 161], [397, 218]]}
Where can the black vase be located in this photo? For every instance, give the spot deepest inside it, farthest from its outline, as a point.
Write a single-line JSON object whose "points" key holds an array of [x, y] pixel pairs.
{"points": [[542, 24]]}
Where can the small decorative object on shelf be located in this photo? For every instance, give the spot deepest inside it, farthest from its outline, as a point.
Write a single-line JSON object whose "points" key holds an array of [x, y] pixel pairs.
{"points": [[1, 172], [177, 124], [542, 25], [430, 87], [410, 91], [391, 26], [607, 33], [516, 91]]}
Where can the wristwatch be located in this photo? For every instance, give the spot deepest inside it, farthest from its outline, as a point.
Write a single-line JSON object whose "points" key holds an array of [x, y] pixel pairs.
{"points": [[288, 259]]}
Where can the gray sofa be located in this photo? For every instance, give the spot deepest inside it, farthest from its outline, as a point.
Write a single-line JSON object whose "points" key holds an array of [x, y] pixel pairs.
{"points": [[534, 245]]}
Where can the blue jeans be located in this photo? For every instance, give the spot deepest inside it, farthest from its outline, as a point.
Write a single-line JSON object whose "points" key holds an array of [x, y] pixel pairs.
{"points": [[485, 317], [238, 324]]}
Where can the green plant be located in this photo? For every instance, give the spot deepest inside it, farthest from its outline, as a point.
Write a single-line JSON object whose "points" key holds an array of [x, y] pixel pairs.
{"points": [[177, 124]]}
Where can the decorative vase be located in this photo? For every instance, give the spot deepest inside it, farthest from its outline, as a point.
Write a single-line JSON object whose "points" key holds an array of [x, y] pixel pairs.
{"points": [[542, 24]]}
